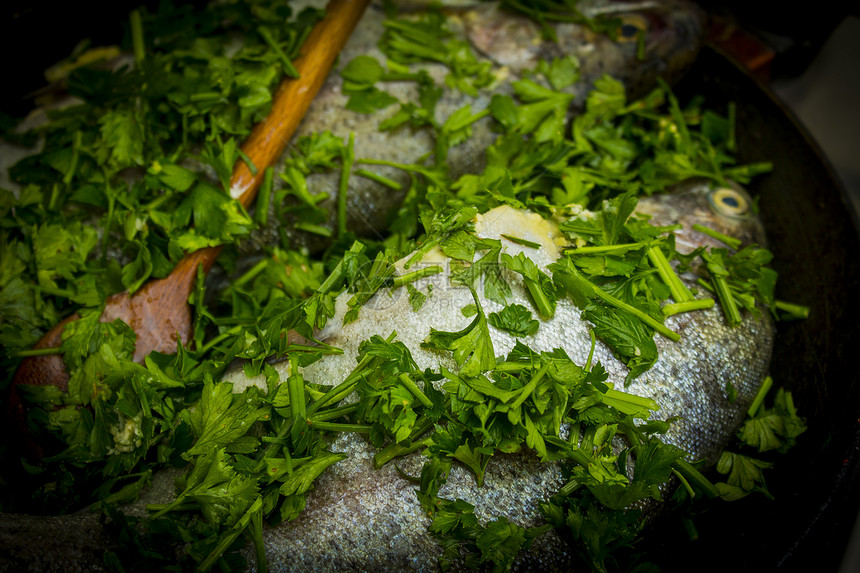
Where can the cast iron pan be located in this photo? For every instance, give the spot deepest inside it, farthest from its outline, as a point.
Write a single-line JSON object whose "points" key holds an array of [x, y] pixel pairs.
{"points": [[813, 234]]}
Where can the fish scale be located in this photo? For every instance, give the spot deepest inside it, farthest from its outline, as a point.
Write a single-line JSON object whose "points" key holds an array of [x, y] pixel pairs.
{"points": [[358, 518]]}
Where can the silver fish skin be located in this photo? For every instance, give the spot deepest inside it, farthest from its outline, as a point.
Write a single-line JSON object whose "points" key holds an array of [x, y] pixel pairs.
{"points": [[673, 32], [360, 519]]}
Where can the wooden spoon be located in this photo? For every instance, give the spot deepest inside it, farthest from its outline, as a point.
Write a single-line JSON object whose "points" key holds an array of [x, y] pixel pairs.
{"points": [[159, 312]]}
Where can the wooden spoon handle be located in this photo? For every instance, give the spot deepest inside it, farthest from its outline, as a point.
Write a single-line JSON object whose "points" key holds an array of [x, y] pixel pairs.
{"points": [[293, 97], [270, 137]]}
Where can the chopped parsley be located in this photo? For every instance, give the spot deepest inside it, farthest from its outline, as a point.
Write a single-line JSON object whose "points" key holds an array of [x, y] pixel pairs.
{"points": [[80, 229]]}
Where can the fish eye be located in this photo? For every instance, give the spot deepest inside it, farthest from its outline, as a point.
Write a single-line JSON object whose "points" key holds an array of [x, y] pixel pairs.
{"points": [[631, 26], [730, 202]]}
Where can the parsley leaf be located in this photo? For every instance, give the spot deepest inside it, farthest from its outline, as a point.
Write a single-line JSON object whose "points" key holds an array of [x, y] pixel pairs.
{"points": [[516, 319], [472, 346], [222, 417]]}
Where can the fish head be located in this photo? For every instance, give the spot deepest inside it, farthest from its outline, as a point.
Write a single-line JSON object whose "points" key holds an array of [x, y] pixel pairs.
{"points": [[663, 35], [632, 41], [726, 208], [644, 40]]}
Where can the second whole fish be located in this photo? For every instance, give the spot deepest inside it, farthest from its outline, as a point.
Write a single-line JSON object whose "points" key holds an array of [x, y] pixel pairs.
{"points": [[656, 39]]}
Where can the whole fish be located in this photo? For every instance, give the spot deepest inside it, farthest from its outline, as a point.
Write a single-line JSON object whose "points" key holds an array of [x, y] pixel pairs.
{"points": [[359, 518], [671, 33]]}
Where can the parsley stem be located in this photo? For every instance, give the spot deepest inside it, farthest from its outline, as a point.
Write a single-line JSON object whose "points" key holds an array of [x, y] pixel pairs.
{"points": [[578, 455], [223, 336], [732, 144], [730, 241], [765, 387], [732, 300], [629, 403], [343, 389], [685, 141], [603, 249], [282, 441], [575, 433], [544, 306], [416, 391], [289, 69], [264, 197], [679, 291], [73, 166], [178, 504], [65, 293], [512, 366], [698, 304], [333, 413], [256, 527], [695, 477], [229, 537], [396, 450], [379, 179], [38, 352], [640, 45], [690, 528], [277, 441], [409, 168], [733, 315], [402, 280], [690, 491], [251, 273], [348, 159], [569, 279], [108, 220], [523, 242], [173, 506], [421, 251], [296, 388], [569, 488], [795, 311], [318, 349], [338, 274], [743, 173], [591, 351], [646, 318], [314, 229], [55, 195], [336, 427], [204, 96], [247, 161], [137, 37], [530, 387], [158, 201]]}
